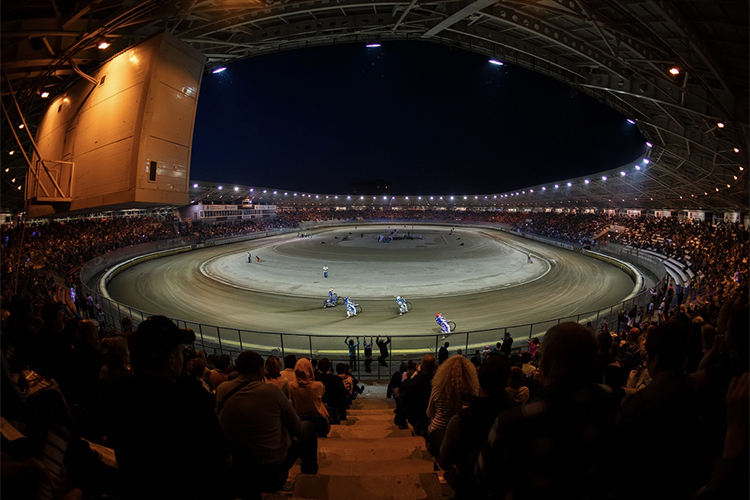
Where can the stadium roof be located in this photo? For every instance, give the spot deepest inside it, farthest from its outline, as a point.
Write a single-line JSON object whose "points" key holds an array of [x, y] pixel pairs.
{"points": [[620, 52]]}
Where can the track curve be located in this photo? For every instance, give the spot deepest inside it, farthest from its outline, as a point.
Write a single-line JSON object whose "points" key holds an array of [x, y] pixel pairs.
{"points": [[559, 283]]}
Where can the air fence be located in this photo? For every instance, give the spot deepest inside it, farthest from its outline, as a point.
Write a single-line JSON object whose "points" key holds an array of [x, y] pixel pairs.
{"points": [[216, 339]]}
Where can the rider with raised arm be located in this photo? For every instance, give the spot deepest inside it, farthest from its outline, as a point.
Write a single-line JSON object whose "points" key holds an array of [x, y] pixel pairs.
{"points": [[350, 309], [402, 306], [443, 324]]}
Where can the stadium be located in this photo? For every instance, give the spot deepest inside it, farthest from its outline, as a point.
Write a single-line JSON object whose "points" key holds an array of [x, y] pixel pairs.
{"points": [[644, 246]]}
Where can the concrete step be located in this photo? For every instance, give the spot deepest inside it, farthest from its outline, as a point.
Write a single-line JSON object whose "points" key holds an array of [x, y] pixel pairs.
{"points": [[416, 465], [360, 431], [376, 443], [371, 405], [374, 414], [407, 451], [424, 486]]}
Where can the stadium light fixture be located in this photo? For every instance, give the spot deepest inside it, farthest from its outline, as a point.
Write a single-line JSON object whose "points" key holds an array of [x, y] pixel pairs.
{"points": [[674, 71], [236, 188], [622, 173], [736, 150], [220, 188], [557, 186], [570, 184], [646, 161], [604, 177], [649, 145], [637, 167], [44, 95], [265, 191], [195, 185], [720, 124], [372, 45], [219, 70], [586, 181], [495, 62], [103, 45], [529, 190], [544, 188], [275, 193], [7, 170], [632, 122]]}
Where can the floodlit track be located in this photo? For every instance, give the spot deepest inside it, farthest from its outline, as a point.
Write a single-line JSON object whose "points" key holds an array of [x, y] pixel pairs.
{"points": [[483, 283]]}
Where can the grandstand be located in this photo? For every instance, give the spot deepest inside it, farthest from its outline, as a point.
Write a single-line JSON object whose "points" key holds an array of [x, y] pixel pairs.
{"points": [[681, 209]]}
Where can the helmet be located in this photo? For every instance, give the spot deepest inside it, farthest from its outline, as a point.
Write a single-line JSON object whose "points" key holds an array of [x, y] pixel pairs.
{"points": [[330, 290], [437, 315], [398, 298]]}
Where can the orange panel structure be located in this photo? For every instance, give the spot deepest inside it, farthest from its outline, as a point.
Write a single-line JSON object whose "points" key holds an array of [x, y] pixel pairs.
{"points": [[122, 138]]}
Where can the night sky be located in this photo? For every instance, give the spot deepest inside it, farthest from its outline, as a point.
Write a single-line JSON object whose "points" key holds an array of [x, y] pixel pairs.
{"points": [[431, 119]]}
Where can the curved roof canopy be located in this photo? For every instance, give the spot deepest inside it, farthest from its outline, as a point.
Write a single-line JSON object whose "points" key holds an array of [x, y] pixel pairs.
{"points": [[678, 69]]}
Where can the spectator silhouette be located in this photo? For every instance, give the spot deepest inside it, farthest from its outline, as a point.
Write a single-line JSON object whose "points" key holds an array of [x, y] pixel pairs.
{"points": [[561, 444]]}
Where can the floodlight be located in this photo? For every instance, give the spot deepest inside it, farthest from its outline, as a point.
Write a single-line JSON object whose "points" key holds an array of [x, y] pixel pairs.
{"points": [[495, 62], [219, 70]]}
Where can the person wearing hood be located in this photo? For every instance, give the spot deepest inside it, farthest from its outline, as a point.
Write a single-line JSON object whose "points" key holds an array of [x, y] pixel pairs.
{"points": [[307, 394]]}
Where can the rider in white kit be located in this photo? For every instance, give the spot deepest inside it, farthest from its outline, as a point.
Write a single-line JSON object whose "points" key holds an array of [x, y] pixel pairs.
{"points": [[350, 310], [402, 307]]}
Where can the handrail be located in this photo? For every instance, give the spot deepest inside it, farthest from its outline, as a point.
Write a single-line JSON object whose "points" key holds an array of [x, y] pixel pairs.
{"points": [[218, 339]]}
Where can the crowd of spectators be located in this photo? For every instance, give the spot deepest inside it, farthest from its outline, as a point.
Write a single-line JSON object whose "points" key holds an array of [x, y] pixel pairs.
{"points": [[674, 383]]}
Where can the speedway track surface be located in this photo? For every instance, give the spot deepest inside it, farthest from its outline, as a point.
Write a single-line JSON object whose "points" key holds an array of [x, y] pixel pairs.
{"points": [[477, 277]]}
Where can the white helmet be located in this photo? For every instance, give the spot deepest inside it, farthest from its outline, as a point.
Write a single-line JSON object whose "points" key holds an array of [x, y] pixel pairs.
{"points": [[398, 297]]}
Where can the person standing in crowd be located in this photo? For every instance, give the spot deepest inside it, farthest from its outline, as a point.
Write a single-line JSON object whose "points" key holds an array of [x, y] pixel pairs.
{"points": [[368, 355], [443, 353], [507, 343], [352, 351], [383, 346]]}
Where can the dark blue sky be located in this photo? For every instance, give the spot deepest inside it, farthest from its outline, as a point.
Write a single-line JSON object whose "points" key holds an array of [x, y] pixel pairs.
{"points": [[430, 118]]}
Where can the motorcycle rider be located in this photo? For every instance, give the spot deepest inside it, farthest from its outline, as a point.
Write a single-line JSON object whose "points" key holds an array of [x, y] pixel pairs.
{"points": [[350, 309], [331, 297], [443, 324], [402, 307]]}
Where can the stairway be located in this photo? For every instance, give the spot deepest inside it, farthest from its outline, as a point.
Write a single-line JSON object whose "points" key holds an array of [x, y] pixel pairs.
{"points": [[367, 457]]}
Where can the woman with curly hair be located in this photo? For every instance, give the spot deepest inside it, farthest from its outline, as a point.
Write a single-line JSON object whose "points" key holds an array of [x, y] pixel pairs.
{"points": [[456, 379]]}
